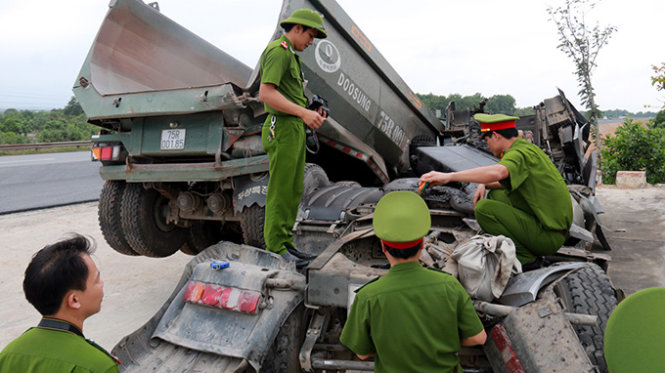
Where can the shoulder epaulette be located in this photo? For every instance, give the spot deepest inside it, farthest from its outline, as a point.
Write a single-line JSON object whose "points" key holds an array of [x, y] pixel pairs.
{"points": [[438, 270], [284, 45], [100, 348], [367, 283]]}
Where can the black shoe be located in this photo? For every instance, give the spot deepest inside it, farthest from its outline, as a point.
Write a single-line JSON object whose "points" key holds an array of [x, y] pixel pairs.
{"points": [[537, 263], [300, 263], [299, 254]]}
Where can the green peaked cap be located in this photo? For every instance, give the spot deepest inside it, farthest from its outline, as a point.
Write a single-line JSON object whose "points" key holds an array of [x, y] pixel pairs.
{"points": [[401, 216], [493, 118], [309, 18]]}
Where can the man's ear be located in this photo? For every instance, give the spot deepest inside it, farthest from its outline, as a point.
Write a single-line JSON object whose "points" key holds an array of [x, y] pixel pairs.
{"points": [[72, 300]]}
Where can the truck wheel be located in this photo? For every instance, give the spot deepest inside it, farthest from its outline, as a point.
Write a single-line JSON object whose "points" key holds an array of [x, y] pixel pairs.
{"points": [[143, 217], [315, 177], [285, 349], [589, 291], [108, 212], [251, 224], [201, 235]]}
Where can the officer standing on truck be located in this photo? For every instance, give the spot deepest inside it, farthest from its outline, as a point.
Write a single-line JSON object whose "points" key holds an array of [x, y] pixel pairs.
{"points": [[412, 319], [529, 201], [283, 134]]}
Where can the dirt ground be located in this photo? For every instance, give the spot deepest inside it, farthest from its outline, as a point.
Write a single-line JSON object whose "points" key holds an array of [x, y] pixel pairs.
{"points": [[136, 287], [635, 227]]}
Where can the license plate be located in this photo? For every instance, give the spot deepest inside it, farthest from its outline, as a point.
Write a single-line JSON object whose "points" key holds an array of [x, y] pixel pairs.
{"points": [[172, 140]]}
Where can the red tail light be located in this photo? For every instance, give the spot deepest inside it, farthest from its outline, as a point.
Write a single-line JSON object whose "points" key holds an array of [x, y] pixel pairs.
{"points": [[228, 298], [106, 152]]}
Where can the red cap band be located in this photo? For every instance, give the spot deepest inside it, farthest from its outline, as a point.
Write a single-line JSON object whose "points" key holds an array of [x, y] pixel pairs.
{"points": [[485, 127], [402, 245]]}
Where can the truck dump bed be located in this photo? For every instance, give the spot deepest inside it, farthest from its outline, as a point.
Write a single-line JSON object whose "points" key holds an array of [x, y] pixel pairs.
{"points": [[143, 64]]}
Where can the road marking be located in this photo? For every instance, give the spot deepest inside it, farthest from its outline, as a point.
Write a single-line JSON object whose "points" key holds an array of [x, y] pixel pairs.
{"points": [[38, 161], [27, 161]]}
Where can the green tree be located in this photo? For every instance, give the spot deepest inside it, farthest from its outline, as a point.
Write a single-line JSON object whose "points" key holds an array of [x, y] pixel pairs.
{"points": [[635, 147], [581, 42], [501, 104], [659, 120], [658, 78], [13, 138], [73, 108], [10, 112], [14, 124], [524, 111]]}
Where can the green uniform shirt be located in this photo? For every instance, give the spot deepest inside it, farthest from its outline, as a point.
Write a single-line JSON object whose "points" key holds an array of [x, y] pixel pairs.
{"points": [[45, 350], [537, 186], [281, 66], [413, 319]]}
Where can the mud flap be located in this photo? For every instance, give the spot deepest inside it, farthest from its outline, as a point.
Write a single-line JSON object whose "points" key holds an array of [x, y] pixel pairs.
{"points": [[218, 333], [536, 338], [249, 190]]}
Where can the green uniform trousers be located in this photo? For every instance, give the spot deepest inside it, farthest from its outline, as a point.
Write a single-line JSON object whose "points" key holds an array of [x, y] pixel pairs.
{"points": [[286, 152], [503, 214]]}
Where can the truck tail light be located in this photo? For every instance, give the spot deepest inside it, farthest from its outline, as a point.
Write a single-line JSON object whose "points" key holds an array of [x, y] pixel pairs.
{"points": [[106, 152], [228, 298], [505, 347]]}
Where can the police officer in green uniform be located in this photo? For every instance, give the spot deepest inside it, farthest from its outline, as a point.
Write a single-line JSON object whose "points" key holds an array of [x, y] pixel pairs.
{"points": [[412, 319], [63, 283], [529, 200], [283, 134]]}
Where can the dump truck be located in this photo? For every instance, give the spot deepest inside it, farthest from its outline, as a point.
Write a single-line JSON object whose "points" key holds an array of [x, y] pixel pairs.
{"points": [[181, 155]]}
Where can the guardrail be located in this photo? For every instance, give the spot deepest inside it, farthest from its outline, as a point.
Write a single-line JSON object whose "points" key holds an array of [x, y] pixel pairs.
{"points": [[43, 145]]}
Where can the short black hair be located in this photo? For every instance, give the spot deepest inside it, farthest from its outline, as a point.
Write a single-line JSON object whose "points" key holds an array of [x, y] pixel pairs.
{"points": [[55, 270], [508, 133], [403, 253], [288, 26]]}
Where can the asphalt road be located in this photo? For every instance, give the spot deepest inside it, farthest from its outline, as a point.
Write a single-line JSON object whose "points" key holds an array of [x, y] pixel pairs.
{"points": [[35, 181]]}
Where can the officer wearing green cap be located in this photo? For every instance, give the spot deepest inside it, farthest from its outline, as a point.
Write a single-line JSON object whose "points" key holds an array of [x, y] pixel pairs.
{"points": [[63, 283], [529, 200], [283, 134], [412, 319]]}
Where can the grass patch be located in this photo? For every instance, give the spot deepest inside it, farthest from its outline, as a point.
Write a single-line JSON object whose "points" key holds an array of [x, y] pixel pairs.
{"points": [[63, 149]]}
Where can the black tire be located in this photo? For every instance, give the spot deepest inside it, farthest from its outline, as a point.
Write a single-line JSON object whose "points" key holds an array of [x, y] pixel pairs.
{"points": [[285, 349], [202, 234], [315, 178], [251, 224], [349, 183], [589, 291], [143, 217], [108, 212]]}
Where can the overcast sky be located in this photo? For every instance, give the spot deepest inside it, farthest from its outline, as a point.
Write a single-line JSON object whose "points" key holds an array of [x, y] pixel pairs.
{"points": [[437, 46]]}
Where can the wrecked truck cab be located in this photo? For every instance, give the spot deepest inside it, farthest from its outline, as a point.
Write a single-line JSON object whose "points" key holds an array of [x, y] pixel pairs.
{"points": [[538, 323]]}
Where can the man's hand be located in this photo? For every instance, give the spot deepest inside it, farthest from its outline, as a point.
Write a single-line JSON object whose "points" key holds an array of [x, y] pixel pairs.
{"points": [[436, 178], [365, 357], [479, 194], [312, 119], [268, 93]]}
